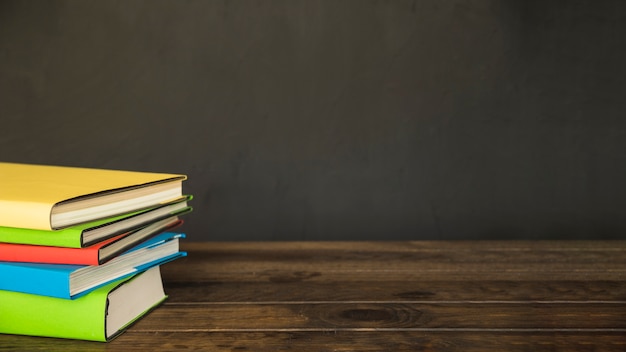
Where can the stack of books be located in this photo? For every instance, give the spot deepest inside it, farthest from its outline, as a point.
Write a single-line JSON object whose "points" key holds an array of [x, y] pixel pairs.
{"points": [[81, 249]]}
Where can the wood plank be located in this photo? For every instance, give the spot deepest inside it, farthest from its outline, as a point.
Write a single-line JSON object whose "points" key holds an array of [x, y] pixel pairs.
{"points": [[180, 317], [393, 262], [291, 287], [466, 341], [407, 246]]}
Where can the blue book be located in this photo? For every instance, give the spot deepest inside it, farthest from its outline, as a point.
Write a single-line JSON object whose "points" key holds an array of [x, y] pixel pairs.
{"points": [[73, 281]]}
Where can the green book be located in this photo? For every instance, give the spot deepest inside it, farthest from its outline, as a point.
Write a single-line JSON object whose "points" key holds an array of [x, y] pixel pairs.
{"points": [[100, 315], [86, 234]]}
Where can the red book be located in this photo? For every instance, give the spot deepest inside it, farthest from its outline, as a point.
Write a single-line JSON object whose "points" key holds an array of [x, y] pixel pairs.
{"points": [[96, 254]]}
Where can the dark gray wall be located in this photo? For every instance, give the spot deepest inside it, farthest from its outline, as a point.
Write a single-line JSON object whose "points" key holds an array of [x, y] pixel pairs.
{"points": [[331, 119]]}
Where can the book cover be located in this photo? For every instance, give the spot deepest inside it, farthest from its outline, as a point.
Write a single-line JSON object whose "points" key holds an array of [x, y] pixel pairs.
{"points": [[73, 281], [96, 254], [86, 234], [100, 315], [50, 197]]}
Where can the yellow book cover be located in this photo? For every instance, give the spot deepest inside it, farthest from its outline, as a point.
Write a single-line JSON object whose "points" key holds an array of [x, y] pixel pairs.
{"points": [[49, 197]]}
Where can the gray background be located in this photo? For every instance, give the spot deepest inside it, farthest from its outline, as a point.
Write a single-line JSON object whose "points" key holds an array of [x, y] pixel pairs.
{"points": [[331, 119]]}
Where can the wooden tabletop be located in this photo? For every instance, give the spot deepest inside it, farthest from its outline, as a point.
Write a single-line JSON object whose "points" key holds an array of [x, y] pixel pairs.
{"points": [[381, 296]]}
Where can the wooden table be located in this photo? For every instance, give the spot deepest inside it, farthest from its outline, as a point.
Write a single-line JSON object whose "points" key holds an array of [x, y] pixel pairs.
{"points": [[382, 296]]}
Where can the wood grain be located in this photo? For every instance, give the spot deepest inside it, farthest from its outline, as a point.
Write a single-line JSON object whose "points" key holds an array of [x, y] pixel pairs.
{"points": [[382, 296], [386, 316], [390, 261], [397, 341], [284, 290], [462, 341]]}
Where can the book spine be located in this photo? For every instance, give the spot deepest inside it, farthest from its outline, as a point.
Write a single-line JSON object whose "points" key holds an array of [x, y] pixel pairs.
{"points": [[61, 238], [27, 314], [38, 279], [16, 213], [50, 255]]}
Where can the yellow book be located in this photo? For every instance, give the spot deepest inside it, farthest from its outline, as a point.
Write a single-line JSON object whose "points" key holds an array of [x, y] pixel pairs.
{"points": [[50, 197]]}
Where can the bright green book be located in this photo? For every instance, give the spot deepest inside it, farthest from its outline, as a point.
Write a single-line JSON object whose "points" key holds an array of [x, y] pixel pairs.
{"points": [[100, 315], [86, 234]]}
